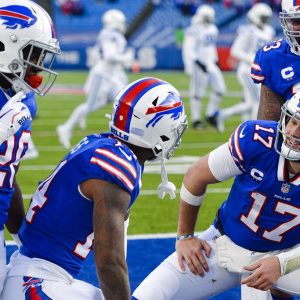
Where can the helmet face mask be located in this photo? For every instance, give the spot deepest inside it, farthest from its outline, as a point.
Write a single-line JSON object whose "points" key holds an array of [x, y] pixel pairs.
{"points": [[27, 47], [35, 62], [286, 143], [149, 113], [290, 23]]}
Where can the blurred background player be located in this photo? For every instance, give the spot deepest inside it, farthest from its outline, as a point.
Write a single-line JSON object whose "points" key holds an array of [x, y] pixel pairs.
{"points": [[147, 123], [108, 75], [280, 80], [28, 46], [249, 39], [200, 59]]}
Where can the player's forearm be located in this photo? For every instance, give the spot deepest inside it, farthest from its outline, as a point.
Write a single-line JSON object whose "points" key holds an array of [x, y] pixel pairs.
{"points": [[187, 218], [114, 280], [270, 105], [16, 211]]}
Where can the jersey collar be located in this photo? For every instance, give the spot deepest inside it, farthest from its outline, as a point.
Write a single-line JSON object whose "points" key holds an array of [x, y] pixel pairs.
{"points": [[282, 172]]}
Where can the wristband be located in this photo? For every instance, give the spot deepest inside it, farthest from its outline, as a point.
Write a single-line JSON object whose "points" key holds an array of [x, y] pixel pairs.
{"points": [[189, 198], [184, 236]]}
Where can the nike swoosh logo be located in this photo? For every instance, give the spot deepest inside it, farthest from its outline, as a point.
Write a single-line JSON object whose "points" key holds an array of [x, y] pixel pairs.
{"points": [[129, 157], [241, 133]]}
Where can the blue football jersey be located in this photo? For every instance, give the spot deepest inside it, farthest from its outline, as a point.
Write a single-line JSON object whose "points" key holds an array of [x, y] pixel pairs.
{"points": [[59, 222], [11, 151], [262, 211], [278, 68]]}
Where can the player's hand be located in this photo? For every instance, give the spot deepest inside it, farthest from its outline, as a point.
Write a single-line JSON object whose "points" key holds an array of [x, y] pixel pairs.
{"points": [[266, 272], [192, 252], [12, 116]]}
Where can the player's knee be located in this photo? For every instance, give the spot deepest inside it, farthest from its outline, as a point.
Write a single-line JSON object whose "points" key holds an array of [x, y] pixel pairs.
{"points": [[162, 284]]}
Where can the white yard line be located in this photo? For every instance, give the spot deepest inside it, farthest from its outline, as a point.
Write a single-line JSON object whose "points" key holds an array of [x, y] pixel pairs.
{"points": [[182, 146], [129, 237], [154, 192]]}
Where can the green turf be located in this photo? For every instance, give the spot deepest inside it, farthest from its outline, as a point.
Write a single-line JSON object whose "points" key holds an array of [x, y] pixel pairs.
{"points": [[149, 214]]}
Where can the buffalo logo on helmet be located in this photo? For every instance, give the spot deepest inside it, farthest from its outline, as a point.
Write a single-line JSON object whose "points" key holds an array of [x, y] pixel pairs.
{"points": [[15, 16], [172, 105]]}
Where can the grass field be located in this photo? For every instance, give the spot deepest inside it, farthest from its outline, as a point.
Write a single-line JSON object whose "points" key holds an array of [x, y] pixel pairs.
{"points": [[149, 214]]}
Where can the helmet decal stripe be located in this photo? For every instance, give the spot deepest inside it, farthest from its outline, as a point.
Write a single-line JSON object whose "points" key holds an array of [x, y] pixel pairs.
{"points": [[6, 13], [129, 99], [17, 16]]}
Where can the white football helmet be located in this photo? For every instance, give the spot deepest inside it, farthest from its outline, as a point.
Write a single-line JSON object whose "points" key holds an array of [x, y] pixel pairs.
{"points": [[260, 14], [290, 147], [205, 14], [290, 23], [114, 19], [149, 113], [28, 46]]}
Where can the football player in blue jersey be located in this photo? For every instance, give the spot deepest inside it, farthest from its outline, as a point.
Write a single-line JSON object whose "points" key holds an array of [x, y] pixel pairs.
{"points": [[27, 49], [279, 80], [82, 205], [255, 238]]}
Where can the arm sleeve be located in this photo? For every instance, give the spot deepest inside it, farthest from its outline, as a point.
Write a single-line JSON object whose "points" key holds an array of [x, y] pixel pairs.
{"points": [[107, 164], [257, 71], [221, 163], [289, 260]]}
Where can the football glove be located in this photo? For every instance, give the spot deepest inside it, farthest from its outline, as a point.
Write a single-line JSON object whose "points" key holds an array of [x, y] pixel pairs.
{"points": [[12, 116]]}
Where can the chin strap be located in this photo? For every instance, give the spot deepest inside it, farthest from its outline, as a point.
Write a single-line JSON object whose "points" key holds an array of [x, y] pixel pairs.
{"points": [[166, 187]]}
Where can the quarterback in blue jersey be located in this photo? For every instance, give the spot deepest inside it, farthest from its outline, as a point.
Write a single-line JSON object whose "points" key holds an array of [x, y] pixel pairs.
{"points": [[27, 41], [82, 205], [255, 238], [276, 65]]}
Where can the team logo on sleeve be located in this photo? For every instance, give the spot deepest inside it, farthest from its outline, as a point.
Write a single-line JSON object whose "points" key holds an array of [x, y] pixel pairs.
{"points": [[172, 105], [14, 16]]}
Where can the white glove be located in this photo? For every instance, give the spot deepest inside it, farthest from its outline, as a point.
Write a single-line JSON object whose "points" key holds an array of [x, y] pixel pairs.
{"points": [[12, 116]]}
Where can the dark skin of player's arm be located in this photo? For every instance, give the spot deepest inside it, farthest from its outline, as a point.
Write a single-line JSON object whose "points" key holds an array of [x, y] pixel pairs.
{"points": [[16, 211], [269, 105], [110, 207]]}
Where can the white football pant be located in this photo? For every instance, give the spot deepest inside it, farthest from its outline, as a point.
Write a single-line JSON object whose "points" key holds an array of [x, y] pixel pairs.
{"points": [[32, 278], [167, 281]]}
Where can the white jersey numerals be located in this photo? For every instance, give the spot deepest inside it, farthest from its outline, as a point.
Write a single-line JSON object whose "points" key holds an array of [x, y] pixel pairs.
{"points": [[274, 45], [7, 157], [83, 250], [40, 198], [276, 234], [266, 142]]}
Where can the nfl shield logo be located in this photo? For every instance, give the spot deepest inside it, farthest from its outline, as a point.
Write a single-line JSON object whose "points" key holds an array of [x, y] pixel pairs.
{"points": [[285, 188]]}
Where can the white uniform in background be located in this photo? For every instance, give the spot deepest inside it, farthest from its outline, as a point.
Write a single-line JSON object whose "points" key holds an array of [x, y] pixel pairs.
{"points": [[249, 39], [200, 59], [107, 77]]}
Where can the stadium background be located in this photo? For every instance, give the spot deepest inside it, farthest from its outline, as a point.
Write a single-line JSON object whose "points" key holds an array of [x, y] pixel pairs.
{"points": [[155, 30]]}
